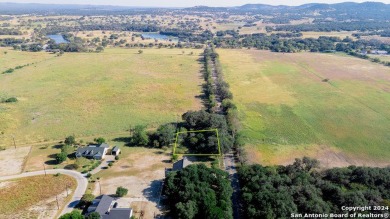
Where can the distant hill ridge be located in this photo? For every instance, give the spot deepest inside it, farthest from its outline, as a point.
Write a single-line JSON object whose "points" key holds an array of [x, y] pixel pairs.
{"points": [[345, 7]]}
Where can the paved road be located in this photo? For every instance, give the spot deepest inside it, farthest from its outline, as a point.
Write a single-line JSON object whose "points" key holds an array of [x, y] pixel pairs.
{"points": [[230, 167], [82, 183]]}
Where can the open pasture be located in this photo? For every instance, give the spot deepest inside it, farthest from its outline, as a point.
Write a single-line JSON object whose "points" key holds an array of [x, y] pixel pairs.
{"points": [[331, 107], [89, 94]]}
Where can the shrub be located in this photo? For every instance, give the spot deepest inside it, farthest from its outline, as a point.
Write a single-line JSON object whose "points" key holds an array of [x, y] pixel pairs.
{"points": [[121, 191], [174, 157], [93, 215], [73, 215], [100, 140], [86, 200], [61, 157], [89, 175], [140, 51], [57, 174], [110, 164], [70, 140], [11, 100], [116, 157], [8, 71]]}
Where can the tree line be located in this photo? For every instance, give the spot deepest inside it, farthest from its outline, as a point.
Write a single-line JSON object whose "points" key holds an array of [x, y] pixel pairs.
{"points": [[279, 191]]}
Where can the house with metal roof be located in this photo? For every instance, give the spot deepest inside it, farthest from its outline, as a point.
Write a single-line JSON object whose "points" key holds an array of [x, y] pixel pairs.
{"points": [[115, 151], [178, 165], [105, 206], [97, 152]]}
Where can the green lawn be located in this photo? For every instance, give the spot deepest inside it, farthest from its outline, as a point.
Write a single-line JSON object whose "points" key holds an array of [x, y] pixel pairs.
{"points": [[97, 93], [286, 108]]}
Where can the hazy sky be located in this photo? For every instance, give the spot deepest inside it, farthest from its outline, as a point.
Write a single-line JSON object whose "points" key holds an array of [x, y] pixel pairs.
{"points": [[181, 3]]}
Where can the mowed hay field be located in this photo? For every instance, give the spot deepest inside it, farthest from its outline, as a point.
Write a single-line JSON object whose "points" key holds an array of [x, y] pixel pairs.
{"points": [[97, 93], [35, 196], [288, 110]]}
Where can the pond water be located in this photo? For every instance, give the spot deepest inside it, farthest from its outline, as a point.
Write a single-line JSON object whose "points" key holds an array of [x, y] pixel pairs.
{"points": [[57, 38], [158, 36]]}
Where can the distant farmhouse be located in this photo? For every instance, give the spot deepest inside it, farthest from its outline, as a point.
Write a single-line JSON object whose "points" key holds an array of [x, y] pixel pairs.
{"points": [[105, 206], [97, 152], [374, 52], [378, 52], [179, 165]]}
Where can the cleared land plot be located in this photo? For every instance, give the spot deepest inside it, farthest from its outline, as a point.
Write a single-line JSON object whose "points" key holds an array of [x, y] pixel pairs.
{"points": [[98, 93], [34, 197], [288, 110], [141, 171], [11, 160], [341, 34]]}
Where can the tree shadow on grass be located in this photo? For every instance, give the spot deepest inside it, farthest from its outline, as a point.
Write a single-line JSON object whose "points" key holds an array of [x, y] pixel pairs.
{"points": [[52, 156], [51, 162], [122, 139], [152, 192], [58, 146]]}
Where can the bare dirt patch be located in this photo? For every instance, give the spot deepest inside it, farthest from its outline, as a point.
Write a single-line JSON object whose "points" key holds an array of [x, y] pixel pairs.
{"points": [[11, 160], [141, 171]]}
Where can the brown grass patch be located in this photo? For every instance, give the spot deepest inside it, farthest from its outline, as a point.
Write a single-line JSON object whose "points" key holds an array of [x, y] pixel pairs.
{"points": [[28, 192]]}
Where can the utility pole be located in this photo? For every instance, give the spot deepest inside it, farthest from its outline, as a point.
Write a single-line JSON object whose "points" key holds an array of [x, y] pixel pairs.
{"points": [[100, 187], [44, 169], [58, 205], [13, 137]]}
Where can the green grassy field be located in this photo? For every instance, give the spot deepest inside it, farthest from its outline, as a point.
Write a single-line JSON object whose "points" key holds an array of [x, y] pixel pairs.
{"points": [[287, 110], [96, 93]]}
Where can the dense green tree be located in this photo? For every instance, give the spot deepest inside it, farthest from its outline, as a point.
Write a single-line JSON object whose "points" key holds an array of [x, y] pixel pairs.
{"points": [[61, 157], [86, 199], [140, 136], [70, 140], [72, 215], [199, 192], [100, 140], [121, 191], [276, 192], [166, 134], [94, 215]]}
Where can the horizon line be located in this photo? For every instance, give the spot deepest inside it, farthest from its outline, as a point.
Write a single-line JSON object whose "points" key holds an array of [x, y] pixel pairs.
{"points": [[178, 7]]}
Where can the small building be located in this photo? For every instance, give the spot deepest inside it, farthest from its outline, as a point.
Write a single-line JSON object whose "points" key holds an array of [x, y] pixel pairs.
{"points": [[378, 52], [178, 165], [115, 151], [97, 152], [105, 206]]}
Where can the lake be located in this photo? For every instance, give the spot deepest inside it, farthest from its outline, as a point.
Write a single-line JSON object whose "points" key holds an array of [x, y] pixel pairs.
{"points": [[57, 38], [158, 36]]}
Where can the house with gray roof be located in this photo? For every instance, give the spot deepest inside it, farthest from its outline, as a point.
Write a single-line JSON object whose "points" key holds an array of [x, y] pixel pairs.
{"points": [[97, 152], [115, 151], [105, 206], [178, 165]]}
